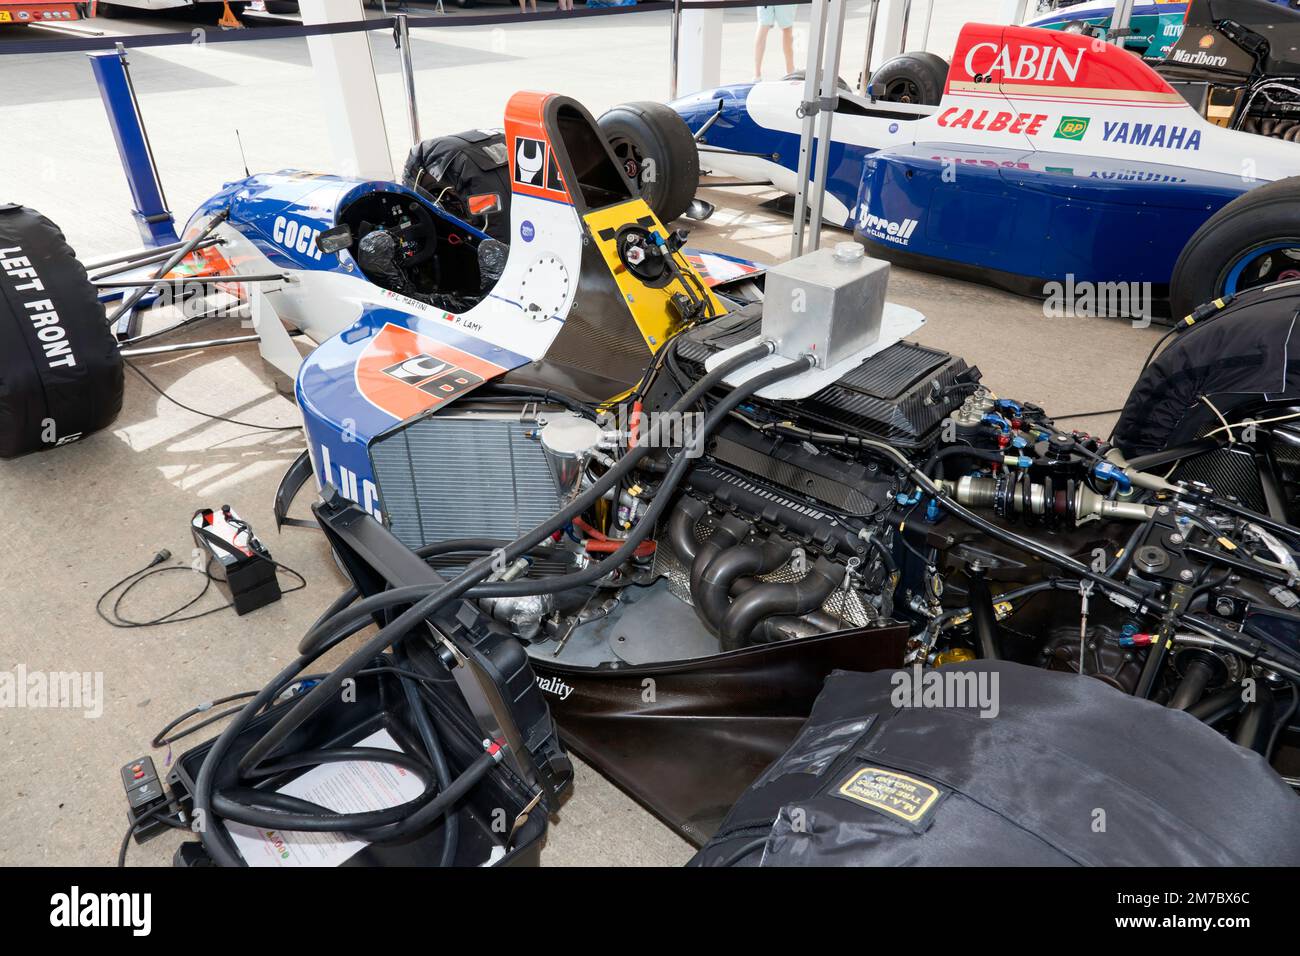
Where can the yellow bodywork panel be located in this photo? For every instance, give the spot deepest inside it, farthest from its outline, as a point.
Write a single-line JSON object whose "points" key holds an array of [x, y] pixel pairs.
{"points": [[652, 309]]}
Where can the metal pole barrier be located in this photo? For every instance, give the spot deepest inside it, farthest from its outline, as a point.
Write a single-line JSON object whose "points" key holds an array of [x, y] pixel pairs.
{"points": [[113, 76], [674, 47], [829, 98], [808, 109], [402, 39], [929, 19], [872, 14], [1120, 21], [907, 15]]}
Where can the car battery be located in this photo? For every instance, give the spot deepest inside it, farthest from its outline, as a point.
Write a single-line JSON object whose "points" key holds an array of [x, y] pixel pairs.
{"points": [[827, 304], [240, 564]]}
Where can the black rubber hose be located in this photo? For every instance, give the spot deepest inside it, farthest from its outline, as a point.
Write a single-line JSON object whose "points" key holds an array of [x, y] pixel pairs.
{"points": [[768, 599], [432, 550], [886, 558], [1190, 689], [712, 595], [229, 808], [324, 692], [1218, 705], [1255, 728], [730, 533], [1149, 680], [681, 528], [984, 618], [1126, 552], [951, 451], [437, 760]]}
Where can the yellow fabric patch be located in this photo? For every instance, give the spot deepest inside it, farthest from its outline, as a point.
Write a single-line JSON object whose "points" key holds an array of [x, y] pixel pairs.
{"points": [[893, 793]]}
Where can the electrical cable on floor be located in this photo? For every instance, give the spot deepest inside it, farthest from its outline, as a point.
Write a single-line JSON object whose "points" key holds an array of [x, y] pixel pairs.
{"points": [[115, 618], [219, 418], [151, 815]]}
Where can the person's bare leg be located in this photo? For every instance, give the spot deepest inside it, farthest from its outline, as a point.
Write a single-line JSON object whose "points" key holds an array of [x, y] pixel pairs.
{"points": [[787, 47], [760, 43]]}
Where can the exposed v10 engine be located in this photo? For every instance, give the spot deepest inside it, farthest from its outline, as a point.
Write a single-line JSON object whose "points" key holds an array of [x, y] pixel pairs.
{"points": [[899, 491]]}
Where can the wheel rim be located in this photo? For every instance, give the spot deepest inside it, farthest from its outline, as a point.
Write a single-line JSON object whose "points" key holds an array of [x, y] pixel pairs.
{"points": [[1275, 261], [629, 157], [902, 91]]}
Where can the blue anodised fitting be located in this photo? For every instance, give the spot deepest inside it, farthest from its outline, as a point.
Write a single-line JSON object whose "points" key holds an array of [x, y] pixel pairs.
{"points": [[932, 511], [1110, 472], [1128, 630], [1020, 441], [1005, 404], [903, 499], [1020, 461], [995, 419]]}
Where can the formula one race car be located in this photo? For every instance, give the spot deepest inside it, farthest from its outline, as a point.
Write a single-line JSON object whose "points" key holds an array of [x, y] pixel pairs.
{"points": [[1051, 158], [1154, 27], [583, 486], [684, 513]]}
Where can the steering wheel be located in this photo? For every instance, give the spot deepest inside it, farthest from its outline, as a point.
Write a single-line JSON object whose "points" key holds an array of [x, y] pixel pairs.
{"points": [[421, 234]]}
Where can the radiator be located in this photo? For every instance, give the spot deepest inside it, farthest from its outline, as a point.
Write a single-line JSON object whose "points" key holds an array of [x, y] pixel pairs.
{"points": [[468, 474]]}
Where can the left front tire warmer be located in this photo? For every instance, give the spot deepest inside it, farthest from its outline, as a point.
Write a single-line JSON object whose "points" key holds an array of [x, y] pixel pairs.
{"points": [[61, 375]]}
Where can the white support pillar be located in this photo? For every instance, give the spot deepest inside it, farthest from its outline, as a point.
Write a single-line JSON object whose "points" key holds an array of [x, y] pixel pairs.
{"points": [[1013, 11], [889, 30], [699, 63], [345, 76]]}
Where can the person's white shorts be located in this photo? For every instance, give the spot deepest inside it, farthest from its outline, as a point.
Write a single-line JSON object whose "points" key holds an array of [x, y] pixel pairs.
{"points": [[782, 17]]}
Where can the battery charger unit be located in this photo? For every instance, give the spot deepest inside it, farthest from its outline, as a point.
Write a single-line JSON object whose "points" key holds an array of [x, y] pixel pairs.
{"points": [[239, 563]]}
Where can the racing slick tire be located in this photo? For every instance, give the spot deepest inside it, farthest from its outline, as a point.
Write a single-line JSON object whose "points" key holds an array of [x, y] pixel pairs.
{"points": [[644, 131], [917, 78], [1253, 241], [61, 374], [800, 74]]}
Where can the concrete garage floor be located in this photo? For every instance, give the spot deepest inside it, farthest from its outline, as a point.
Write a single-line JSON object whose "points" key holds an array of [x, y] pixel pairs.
{"points": [[76, 520]]}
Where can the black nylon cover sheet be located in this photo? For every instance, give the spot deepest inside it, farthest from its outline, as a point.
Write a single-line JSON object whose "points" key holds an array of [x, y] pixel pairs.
{"points": [[1070, 771], [471, 163], [1248, 352]]}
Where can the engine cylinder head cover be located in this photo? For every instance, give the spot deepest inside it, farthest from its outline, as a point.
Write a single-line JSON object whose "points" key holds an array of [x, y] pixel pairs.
{"points": [[568, 441]]}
